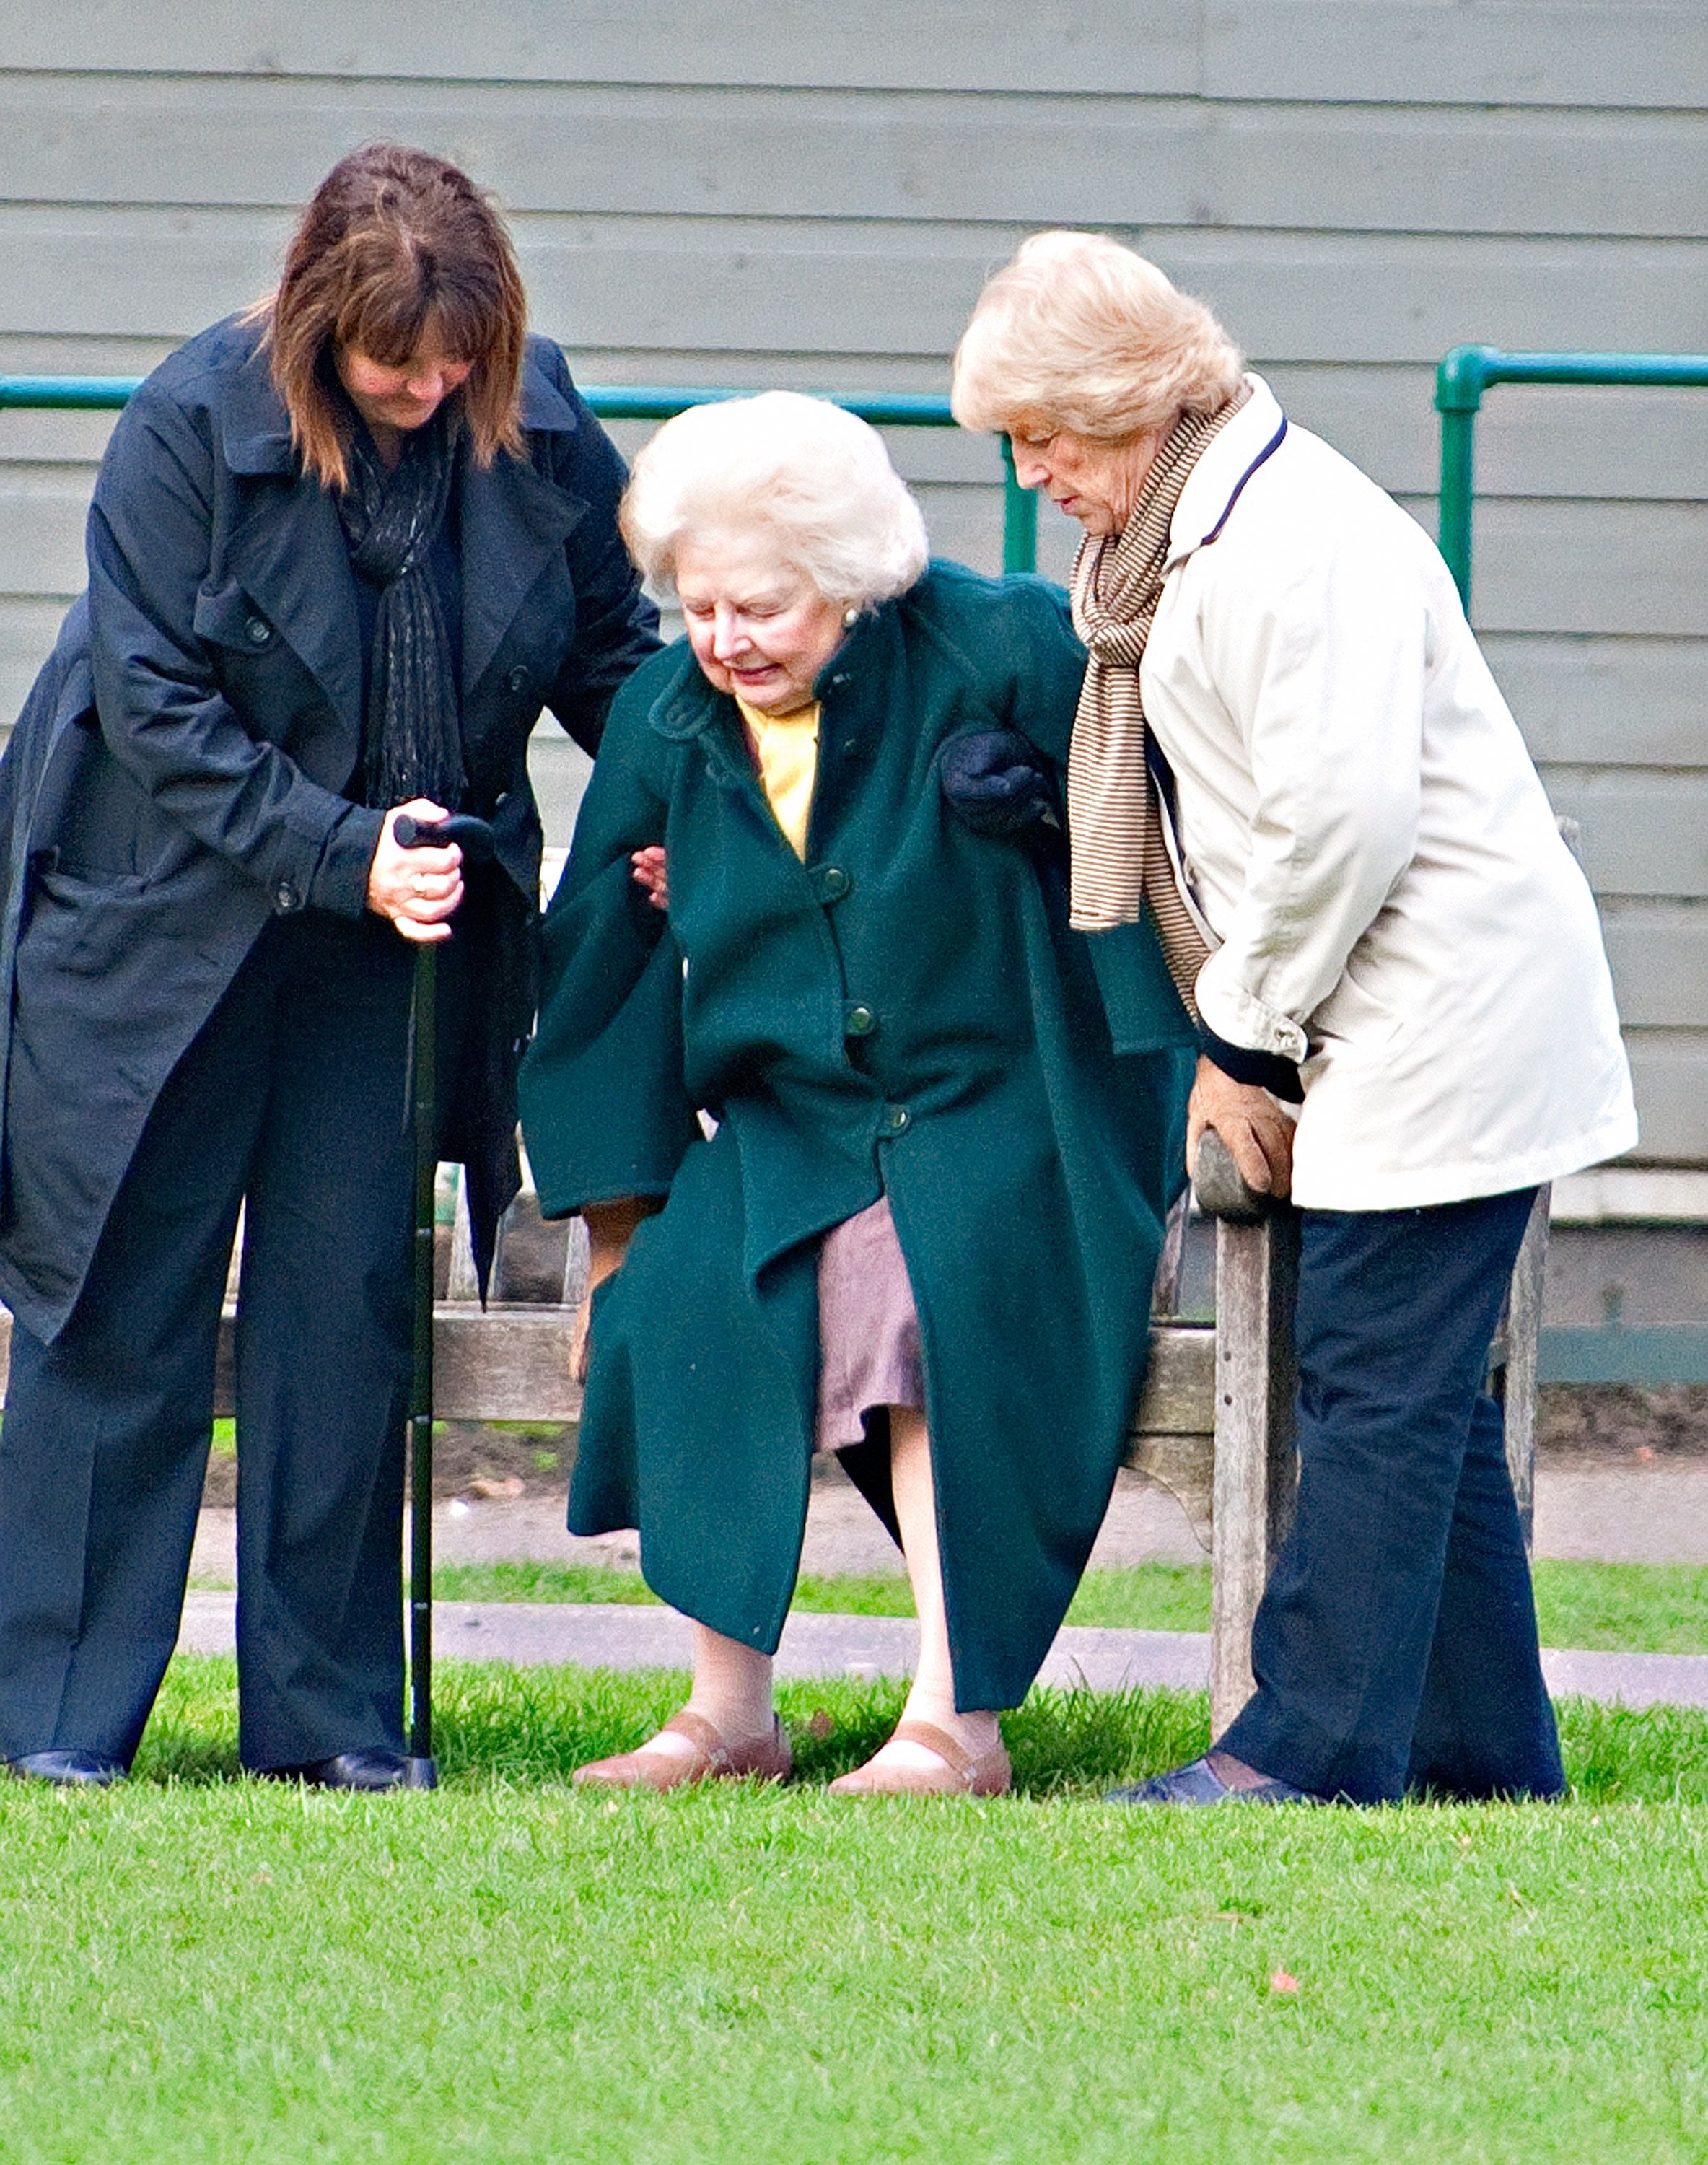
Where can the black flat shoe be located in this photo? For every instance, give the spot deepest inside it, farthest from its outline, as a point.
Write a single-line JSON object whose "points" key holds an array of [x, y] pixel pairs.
{"points": [[372, 1770], [68, 1770], [1199, 1783]]}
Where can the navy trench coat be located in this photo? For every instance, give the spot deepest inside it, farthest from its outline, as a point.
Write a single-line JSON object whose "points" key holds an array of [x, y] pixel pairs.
{"points": [[176, 776], [905, 1013]]}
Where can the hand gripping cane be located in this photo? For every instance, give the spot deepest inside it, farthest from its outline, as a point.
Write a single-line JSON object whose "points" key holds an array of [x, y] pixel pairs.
{"points": [[474, 837]]}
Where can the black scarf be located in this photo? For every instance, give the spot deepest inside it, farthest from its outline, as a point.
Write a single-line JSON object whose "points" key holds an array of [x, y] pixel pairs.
{"points": [[391, 518]]}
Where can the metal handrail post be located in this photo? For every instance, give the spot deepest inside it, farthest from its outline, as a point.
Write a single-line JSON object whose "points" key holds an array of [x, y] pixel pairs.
{"points": [[1458, 394], [1469, 371]]}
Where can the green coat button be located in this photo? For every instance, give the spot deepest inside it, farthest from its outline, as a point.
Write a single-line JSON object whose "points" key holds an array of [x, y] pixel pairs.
{"points": [[895, 1118], [858, 1020], [832, 882]]}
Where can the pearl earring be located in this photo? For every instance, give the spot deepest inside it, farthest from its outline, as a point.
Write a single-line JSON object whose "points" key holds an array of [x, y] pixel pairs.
{"points": [[850, 616]]}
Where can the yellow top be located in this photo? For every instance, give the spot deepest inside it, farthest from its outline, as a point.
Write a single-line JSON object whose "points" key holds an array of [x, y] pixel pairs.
{"points": [[786, 746]]}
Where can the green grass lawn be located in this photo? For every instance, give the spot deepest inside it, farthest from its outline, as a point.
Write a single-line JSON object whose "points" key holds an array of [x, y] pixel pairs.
{"points": [[209, 1972], [1633, 1608]]}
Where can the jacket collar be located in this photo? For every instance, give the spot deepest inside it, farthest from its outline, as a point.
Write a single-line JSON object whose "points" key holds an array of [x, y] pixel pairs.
{"points": [[688, 705], [289, 548], [1230, 459], [254, 426], [256, 430]]}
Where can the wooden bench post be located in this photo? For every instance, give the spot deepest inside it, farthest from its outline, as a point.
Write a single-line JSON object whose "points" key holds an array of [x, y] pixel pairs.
{"points": [[1255, 1469], [1255, 1473]]}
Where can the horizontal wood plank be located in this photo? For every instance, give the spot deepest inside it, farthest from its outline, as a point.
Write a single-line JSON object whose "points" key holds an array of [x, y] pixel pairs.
{"points": [[1552, 52], [1616, 702], [884, 287], [1670, 1072], [1052, 45], [727, 151], [1588, 566], [1547, 52], [513, 1363], [1643, 833], [1659, 953]]}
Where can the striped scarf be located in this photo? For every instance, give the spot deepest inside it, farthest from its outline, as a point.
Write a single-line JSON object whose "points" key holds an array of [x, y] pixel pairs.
{"points": [[1115, 820]]}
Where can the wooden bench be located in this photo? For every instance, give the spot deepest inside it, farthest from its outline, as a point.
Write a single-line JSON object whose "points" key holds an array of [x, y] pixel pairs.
{"points": [[1214, 1427]]}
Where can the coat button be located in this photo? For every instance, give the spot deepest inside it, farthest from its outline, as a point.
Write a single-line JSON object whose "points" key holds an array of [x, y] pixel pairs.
{"points": [[832, 882], [858, 1021], [517, 679], [285, 895], [257, 631], [895, 1119]]}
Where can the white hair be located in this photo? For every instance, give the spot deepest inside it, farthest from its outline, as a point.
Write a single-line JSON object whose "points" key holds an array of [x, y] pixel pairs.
{"points": [[813, 478]]}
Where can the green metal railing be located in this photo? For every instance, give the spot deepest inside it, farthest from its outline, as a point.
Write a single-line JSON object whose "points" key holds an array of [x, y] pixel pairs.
{"points": [[903, 409], [1469, 370]]}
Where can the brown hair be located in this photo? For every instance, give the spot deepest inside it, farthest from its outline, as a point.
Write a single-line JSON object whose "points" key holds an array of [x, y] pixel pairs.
{"points": [[394, 244]]}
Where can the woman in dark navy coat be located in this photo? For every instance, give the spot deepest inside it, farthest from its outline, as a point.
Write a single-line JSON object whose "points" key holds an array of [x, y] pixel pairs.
{"points": [[342, 550]]}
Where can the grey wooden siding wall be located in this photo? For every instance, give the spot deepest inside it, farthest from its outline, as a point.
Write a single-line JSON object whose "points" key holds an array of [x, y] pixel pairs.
{"points": [[810, 194]]}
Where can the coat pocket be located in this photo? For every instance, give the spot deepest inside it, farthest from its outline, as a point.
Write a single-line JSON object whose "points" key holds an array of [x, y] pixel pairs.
{"points": [[86, 926]]}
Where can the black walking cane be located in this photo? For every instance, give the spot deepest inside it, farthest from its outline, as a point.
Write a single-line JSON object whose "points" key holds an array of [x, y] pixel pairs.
{"points": [[474, 837]]}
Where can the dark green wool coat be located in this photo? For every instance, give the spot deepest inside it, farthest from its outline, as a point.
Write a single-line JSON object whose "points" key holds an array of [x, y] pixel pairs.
{"points": [[905, 1011]]}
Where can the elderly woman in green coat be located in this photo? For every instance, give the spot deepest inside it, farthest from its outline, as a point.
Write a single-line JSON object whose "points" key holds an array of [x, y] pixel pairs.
{"points": [[919, 1220]]}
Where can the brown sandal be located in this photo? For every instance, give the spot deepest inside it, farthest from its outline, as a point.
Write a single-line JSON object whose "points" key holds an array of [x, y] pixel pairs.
{"points": [[761, 1759], [962, 1775]]}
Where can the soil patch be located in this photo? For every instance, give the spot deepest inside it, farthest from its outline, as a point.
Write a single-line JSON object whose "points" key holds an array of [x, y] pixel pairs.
{"points": [[1622, 1421]]}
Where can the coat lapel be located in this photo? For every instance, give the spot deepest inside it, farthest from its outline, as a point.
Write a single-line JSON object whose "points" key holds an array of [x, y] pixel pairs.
{"points": [[511, 521], [285, 548]]}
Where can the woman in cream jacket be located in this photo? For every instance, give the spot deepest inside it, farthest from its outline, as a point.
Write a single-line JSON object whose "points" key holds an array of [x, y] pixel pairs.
{"points": [[1373, 919]]}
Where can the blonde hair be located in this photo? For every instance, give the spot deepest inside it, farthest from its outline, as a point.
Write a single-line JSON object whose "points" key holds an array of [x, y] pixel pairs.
{"points": [[1079, 333], [817, 479]]}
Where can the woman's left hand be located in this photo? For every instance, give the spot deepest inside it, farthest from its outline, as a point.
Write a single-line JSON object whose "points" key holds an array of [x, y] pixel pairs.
{"points": [[418, 890], [1258, 1134], [650, 875]]}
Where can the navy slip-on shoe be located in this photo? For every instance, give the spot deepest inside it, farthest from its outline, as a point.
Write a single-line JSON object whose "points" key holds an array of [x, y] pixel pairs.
{"points": [[1199, 1783], [68, 1770], [370, 1769]]}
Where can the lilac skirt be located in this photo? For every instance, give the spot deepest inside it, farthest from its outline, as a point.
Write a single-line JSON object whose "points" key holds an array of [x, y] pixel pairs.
{"points": [[868, 1327]]}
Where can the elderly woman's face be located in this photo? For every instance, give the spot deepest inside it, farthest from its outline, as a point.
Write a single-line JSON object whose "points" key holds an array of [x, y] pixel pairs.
{"points": [[1096, 483], [760, 629]]}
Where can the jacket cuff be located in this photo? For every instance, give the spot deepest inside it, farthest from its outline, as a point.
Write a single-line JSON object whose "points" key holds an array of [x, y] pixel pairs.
{"points": [[1262, 1071], [1239, 1018], [339, 884]]}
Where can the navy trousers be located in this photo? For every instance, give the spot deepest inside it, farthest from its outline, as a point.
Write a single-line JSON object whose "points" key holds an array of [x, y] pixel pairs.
{"points": [[291, 1097], [1396, 1646]]}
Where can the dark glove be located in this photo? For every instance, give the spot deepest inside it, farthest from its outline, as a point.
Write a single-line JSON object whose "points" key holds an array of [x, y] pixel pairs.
{"points": [[999, 784]]}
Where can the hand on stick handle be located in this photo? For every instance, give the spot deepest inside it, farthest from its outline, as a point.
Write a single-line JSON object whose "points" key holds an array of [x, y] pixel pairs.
{"points": [[418, 888], [1238, 1138]]}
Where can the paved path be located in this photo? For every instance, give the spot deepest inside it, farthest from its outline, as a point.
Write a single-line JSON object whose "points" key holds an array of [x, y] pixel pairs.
{"points": [[1647, 1512], [604, 1635], [1653, 1513]]}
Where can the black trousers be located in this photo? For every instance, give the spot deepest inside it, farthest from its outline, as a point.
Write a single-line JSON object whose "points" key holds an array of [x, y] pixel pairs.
{"points": [[292, 1098], [1396, 1646]]}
